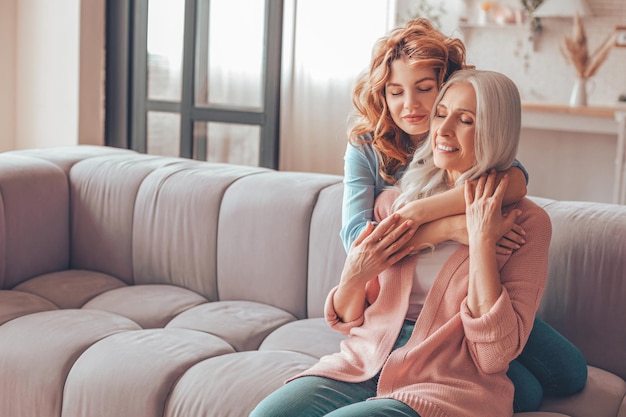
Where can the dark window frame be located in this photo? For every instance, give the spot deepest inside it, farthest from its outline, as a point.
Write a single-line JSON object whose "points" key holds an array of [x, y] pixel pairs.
{"points": [[127, 105]]}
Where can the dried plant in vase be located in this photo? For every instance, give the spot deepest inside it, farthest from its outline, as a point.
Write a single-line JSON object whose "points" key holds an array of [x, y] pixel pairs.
{"points": [[576, 52]]}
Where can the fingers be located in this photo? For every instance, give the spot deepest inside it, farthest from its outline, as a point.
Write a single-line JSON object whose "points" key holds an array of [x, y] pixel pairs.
{"points": [[513, 239], [369, 228], [501, 188], [397, 238], [469, 193], [385, 226], [480, 187], [389, 236], [490, 183]]}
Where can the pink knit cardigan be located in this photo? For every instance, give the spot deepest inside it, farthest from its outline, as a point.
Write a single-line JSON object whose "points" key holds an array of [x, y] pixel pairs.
{"points": [[453, 364]]}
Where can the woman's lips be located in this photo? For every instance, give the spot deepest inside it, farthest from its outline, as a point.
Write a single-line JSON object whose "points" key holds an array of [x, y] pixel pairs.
{"points": [[415, 118]]}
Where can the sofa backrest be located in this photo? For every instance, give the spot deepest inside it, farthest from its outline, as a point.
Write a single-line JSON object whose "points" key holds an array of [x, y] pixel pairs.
{"points": [[34, 218], [245, 233], [586, 290]]}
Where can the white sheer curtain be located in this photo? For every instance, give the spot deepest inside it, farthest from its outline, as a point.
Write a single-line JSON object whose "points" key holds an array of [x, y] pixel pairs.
{"points": [[327, 43]]}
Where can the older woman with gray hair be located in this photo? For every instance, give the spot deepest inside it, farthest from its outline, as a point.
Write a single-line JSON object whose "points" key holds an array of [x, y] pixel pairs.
{"points": [[432, 331]]}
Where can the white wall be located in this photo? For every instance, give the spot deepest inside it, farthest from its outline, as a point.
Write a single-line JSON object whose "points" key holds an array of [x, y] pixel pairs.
{"points": [[539, 70], [8, 14], [47, 72], [51, 67]]}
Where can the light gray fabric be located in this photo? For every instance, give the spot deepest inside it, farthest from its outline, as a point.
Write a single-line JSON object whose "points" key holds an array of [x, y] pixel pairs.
{"points": [[326, 252], [37, 352], [134, 382], [71, 288], [601, 397], [150, 306], [586, 289], [263, 238], [175, 225], [245, 378], [309, 336], [14, 303], [66, 156], [35, 224], [242, 324], [622, 409], [103, 194]]}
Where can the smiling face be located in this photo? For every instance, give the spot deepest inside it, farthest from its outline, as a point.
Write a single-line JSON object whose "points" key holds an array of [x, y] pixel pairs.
{"points": [[410, 94], [453, 130]]}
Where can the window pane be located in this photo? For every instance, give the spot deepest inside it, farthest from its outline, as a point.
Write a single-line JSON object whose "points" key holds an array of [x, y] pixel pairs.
{"points": [[229, 59], [163, 133], [224, 142], [166, 20]]}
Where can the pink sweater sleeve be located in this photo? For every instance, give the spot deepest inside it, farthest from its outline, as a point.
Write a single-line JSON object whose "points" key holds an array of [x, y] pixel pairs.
{"points": [[499, 336], [333, 320]]}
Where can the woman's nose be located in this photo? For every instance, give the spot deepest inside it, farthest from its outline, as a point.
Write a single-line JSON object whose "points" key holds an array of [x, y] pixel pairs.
{"points": [[444, 126], [411, 101]]}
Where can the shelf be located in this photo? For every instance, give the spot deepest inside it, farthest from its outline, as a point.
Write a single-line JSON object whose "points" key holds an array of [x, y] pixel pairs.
{"points": [[557, 116], [492, 25]]}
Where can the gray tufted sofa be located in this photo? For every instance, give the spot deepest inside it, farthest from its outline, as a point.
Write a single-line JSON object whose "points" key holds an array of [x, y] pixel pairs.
{"points": [[144, 286]]}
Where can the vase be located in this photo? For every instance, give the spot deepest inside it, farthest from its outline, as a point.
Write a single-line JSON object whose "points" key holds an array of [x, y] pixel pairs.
{"points": [[579, 93]]}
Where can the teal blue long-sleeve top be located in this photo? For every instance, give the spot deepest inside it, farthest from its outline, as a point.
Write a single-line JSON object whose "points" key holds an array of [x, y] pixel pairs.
{"points": [[362, 184]]}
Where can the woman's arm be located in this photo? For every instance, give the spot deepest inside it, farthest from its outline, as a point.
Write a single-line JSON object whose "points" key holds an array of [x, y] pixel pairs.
{"points": [[498, 335], [452, 201], [485, 225], [375, 250], [359, 192]]}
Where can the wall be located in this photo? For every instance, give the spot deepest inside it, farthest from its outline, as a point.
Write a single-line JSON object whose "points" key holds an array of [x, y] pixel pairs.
{"points": [[562, 164], [539, 69], [8, 14], [52, 71], [47, 73]]}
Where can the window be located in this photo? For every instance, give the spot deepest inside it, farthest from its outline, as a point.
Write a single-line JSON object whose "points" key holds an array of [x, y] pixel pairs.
{"points": [[195, 78]]}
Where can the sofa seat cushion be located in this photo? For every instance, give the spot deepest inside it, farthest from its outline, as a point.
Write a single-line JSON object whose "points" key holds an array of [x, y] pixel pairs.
{"points": [[602, 397], [243, 324], [150, 306], [309, 336], [37, 352], [71, 288], [132, 373], [18, 303], [231, 385]]}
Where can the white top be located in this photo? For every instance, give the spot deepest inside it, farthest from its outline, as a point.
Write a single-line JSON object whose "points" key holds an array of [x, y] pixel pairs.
{"points": [[429, 263]]}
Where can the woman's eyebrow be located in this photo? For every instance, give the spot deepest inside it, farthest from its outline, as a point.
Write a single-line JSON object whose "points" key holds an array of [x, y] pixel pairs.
{"points": [[416, 82]]}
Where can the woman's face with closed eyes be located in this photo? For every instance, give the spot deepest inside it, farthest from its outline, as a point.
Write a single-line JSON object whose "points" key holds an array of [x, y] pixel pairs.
{"points": [[410, 94], [453, 130]]}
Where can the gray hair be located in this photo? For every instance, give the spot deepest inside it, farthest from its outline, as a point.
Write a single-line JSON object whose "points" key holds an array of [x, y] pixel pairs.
{"points": [[498, 124]]}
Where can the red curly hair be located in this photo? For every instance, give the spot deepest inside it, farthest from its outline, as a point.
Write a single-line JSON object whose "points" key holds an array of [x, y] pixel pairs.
{"points": [[423, 45]]}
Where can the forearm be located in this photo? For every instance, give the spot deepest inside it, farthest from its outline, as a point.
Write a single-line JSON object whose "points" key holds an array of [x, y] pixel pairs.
{"points": [[484, 280], [438, 206], [516, 189], [435, 232], [452, 202], [349, 301]]}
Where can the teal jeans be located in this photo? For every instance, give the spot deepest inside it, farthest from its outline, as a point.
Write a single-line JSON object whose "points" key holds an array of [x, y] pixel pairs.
{"points": [[549, 365], [314, 396]]}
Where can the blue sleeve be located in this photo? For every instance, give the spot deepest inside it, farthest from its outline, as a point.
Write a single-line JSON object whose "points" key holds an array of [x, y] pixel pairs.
{"points": [[359, 193], [518, 164]]}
